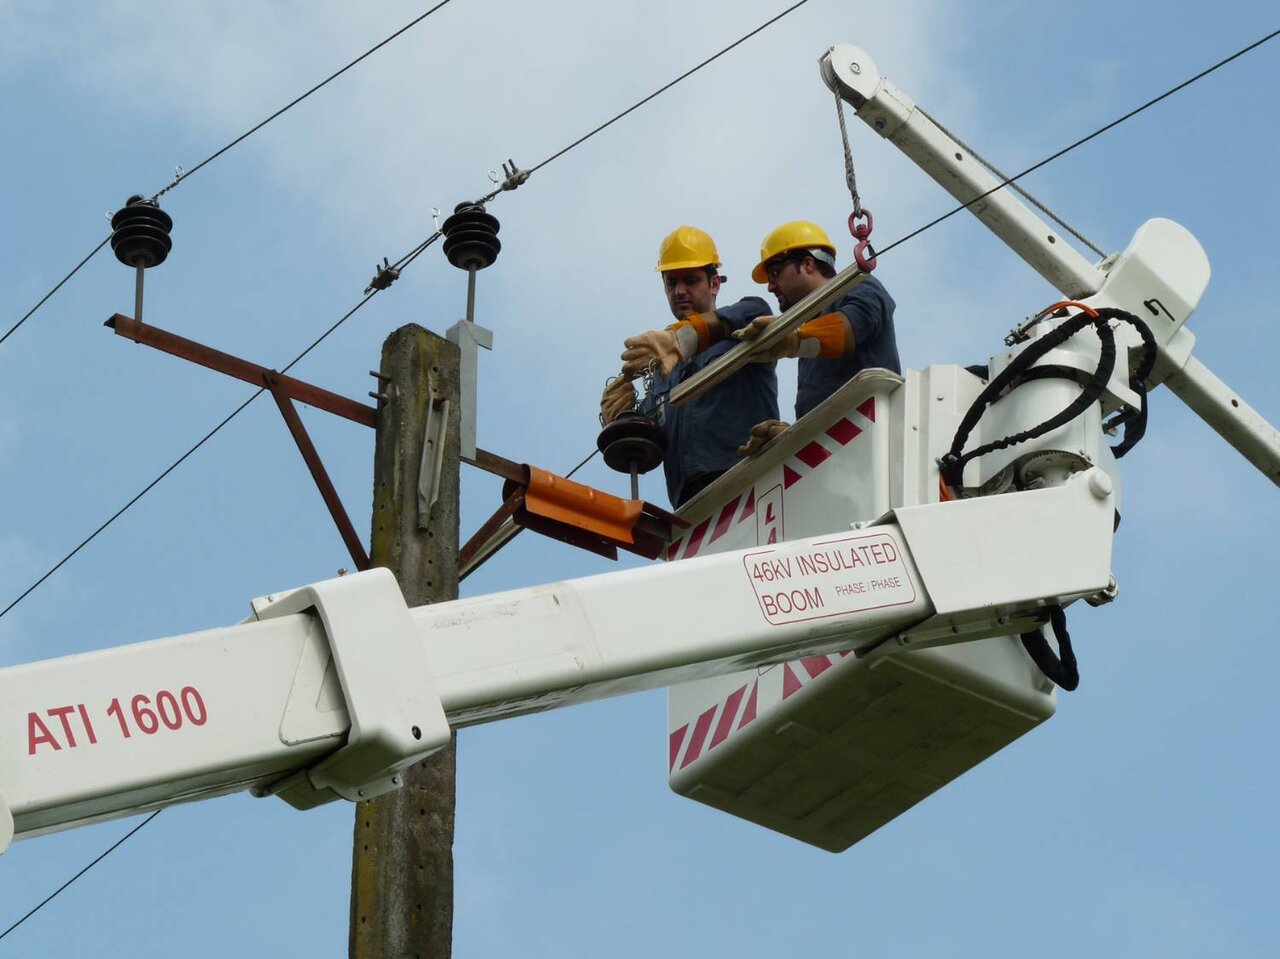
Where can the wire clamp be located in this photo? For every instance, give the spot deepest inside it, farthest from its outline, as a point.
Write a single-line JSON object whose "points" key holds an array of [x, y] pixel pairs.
{"points": [[515, 177], [384, 277]]}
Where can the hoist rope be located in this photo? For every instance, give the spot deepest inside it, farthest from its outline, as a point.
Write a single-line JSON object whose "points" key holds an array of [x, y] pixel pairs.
{"points": [[850, 177]]}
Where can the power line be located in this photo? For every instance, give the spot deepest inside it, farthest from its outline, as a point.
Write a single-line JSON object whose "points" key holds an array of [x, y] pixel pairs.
{"points": [[76, 269], [665, 87], [417, 251], [101, 856], [186, 174], [1085, 139], [199, 443], [296, 100], [400, 264]]}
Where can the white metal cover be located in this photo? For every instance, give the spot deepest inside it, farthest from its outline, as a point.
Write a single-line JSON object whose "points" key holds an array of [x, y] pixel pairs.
{"points": [[829, 748]]}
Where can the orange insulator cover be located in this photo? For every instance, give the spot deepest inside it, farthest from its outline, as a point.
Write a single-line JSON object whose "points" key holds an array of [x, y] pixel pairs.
{"points": [[584, 507]]}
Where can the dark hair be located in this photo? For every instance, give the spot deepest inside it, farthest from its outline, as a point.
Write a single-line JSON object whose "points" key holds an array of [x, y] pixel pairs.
{"points": [[799, 256]]}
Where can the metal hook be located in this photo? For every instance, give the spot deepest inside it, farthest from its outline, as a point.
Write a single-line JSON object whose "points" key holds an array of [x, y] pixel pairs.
{"points": [[862, 233], [494, 177], [435, 217]]}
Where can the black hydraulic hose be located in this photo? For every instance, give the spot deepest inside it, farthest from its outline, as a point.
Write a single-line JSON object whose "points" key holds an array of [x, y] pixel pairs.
{"points": [[1136, 428], [1021, 370], [1060, 668], [952, 464]]}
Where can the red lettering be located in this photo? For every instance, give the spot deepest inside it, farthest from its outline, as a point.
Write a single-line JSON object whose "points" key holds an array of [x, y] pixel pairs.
{"points": [[88, 726], [38, 734], [190, 700], [167, 706], [115, 710], [768, 514], [773, 536], [61, 712]]}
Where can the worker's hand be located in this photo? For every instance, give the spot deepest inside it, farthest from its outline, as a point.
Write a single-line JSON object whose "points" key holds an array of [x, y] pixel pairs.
{"points": [[761, 435], [619, 397], [659, 345], [789, 345]]}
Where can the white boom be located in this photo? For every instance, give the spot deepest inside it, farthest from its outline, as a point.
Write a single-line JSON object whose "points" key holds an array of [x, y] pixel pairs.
{"points": [[823, 575], [338, 686]]}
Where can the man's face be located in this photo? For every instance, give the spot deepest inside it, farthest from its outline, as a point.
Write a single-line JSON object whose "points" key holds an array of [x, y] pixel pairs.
{"points": [[791, 279], [690, 291]]}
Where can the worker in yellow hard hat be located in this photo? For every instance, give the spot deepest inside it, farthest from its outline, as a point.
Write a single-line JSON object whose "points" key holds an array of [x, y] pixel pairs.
{"points": [[704, 434], [797, 258]]}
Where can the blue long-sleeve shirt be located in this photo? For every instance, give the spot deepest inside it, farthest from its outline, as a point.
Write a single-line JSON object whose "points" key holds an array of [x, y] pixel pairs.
{"points": [[869, 309], [704, 434]]}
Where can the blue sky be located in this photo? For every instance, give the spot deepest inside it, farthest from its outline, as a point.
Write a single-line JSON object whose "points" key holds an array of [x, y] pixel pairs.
{"points": [[1139, 821]]}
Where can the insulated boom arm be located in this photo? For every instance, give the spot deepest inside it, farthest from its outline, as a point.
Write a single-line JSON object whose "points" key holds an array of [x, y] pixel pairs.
{"points": [[333, 689]]}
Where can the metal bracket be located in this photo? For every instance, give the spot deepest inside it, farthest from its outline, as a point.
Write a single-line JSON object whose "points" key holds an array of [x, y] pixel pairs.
{"points": [[431, 466], [396, 715], [469, 337]]}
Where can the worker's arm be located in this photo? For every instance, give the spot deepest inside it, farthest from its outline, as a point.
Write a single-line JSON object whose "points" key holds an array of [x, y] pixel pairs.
{"points": [[824, 337], [688, 336], [857, 317]]}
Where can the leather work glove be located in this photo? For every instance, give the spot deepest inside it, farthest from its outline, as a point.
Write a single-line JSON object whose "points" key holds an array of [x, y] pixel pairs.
{"points": [[823, 337], [762, 434], [647, 347], [681, 340], [785, 347], [619, 396]]}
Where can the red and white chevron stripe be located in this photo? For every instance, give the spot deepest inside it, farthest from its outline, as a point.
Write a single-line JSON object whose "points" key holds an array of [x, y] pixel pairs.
{"points": [[804, 462], [685, 747]]}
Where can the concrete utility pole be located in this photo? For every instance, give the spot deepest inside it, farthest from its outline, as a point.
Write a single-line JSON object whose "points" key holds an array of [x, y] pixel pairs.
{"points": [[402, 869]]}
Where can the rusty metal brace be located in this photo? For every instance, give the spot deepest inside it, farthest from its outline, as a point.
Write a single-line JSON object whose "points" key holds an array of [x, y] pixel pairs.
{"points": [[285, 390]]}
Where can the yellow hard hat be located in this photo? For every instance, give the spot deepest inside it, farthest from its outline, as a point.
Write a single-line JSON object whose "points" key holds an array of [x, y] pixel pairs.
{"points": [[687, 248], [796, 235]]}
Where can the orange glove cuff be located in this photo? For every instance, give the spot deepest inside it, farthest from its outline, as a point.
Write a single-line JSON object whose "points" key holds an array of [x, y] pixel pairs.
{"points": [[829, 331], [698, 323]]}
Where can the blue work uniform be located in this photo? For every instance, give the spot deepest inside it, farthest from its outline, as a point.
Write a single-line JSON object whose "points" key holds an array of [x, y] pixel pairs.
{"points": [[703, 435], [869, 309]]}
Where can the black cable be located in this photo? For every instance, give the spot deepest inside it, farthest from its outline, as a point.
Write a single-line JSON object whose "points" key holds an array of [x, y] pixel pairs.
{"points": [[588, 459], [76, 269], [951, 466], [181, 459], [1083, 140], [296, 100], [101, 856], [213, 156], [1061, 669], [664, 88]]}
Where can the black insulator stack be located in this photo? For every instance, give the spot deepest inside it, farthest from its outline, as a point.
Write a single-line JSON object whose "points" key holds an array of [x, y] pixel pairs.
{"points": [[632, 443], [140, 233], [471, 237]]}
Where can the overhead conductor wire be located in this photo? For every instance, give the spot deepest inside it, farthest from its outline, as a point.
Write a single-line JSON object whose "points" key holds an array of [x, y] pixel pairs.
{"points": [[403, 262], [413, 254], [186, 174]]}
